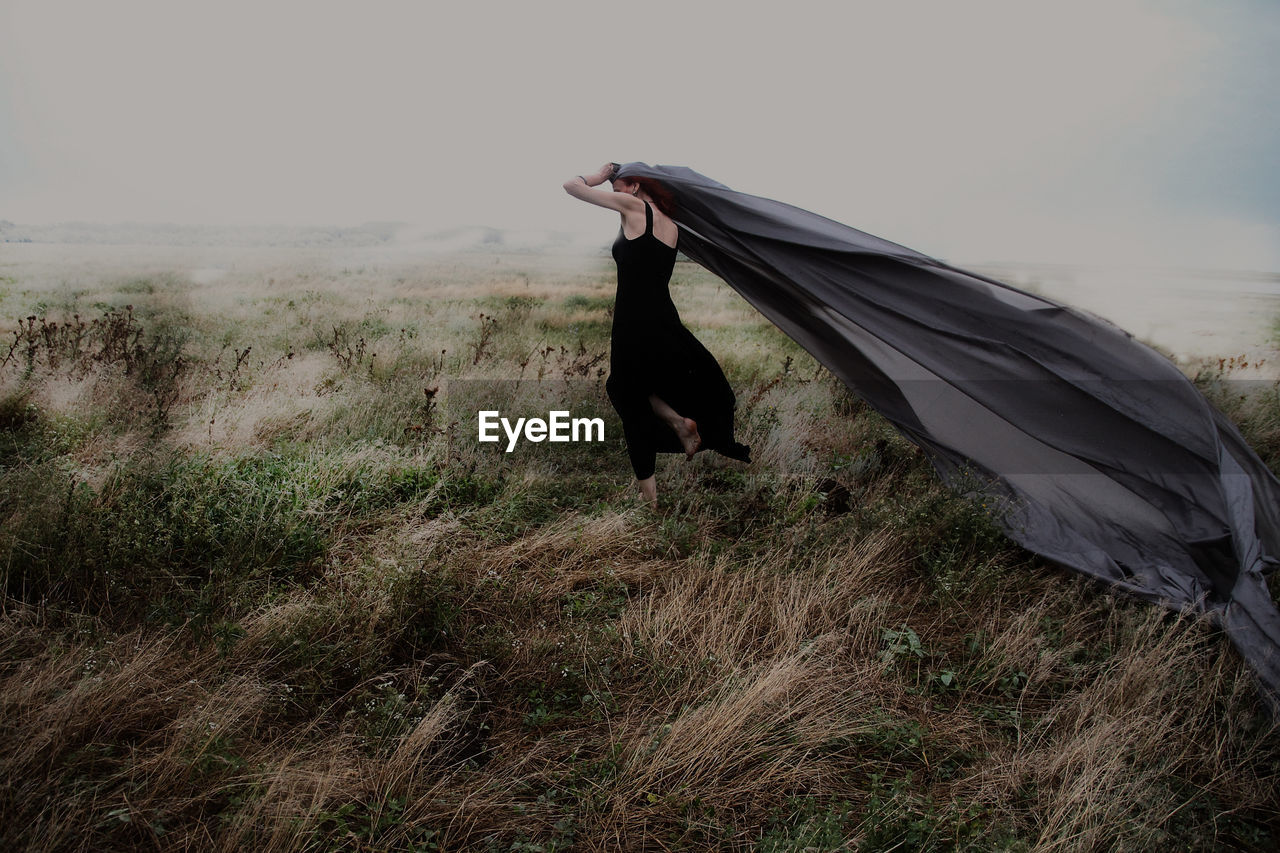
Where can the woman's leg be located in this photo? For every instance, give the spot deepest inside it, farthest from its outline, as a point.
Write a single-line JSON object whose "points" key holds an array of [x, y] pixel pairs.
{"points": [[649, 490], [629, 401], [685, 428]]}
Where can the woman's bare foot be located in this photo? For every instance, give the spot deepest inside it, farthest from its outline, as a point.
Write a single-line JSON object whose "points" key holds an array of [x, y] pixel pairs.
{"points": [[688, 433], [649, 490], [685, 428]]}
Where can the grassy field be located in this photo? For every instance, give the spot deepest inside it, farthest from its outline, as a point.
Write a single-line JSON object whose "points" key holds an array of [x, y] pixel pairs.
{"points": [[265, 591]]}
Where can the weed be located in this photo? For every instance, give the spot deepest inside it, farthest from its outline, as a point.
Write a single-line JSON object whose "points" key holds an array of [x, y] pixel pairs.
{"points": [[155, 362], [365, 825], [347, 347], [900, 642], [808, 825], [480, 347]]}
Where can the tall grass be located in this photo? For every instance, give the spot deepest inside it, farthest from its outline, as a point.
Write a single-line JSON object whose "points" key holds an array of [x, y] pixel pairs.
{"points": [[305, 610]]}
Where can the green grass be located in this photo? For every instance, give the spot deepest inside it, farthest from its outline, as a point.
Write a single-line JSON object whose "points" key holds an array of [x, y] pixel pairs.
{"points": [[305, 610]]}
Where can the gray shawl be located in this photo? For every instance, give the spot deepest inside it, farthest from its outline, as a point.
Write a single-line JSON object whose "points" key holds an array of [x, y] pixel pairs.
{"points": [[1102, 454]]}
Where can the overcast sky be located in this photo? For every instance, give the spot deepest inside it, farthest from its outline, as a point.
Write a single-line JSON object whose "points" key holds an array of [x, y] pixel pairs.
{"points": [[1142, 131]]}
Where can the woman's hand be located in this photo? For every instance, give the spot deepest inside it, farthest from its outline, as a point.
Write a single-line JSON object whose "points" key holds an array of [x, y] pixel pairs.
{"points": [[601, 176], [580, 186]]}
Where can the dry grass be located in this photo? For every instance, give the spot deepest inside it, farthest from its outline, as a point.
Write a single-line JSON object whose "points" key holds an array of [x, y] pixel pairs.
{"points": [[443, 651]]}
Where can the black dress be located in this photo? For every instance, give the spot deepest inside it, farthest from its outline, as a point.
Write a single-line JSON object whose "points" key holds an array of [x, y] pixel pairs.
{"points": [[653, 353]]}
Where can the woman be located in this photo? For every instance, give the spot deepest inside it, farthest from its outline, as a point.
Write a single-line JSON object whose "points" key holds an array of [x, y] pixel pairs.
{"points": [[667, 388]]}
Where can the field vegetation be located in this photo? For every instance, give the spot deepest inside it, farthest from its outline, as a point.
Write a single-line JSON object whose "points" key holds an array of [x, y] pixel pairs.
{"points": [[263, 590]]}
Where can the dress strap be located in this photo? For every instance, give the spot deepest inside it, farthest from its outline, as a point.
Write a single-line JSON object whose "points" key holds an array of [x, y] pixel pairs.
{"points": [[648, 218]]}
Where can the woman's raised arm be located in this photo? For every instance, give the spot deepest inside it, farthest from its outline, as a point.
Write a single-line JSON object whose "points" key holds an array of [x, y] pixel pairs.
{"points": [[583, 187]]}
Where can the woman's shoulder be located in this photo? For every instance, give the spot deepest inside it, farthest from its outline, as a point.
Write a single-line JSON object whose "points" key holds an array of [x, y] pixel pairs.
{"points": [[664, 225]]}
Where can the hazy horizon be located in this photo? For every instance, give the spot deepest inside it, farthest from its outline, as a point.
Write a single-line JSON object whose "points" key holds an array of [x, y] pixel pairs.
{"points": [[1122, 132]]}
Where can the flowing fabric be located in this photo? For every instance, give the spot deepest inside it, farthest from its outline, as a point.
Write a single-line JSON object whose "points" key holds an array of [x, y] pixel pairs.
{"points": [[1103, 455]]}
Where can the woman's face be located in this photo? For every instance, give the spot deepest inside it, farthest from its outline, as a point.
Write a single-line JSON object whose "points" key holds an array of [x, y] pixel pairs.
{"points": [[622, 185]]}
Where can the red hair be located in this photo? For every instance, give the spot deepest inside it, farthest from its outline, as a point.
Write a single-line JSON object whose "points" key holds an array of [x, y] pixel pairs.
{"points": [[661, 196]]}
